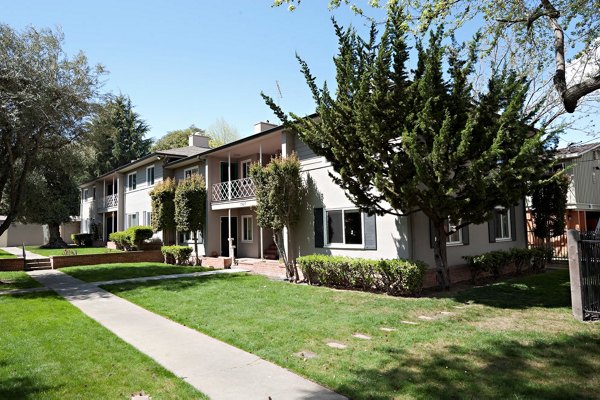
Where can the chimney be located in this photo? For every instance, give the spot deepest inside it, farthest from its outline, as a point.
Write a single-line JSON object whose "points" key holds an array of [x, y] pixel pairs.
{"points": [[198, 140], [263, 126]]}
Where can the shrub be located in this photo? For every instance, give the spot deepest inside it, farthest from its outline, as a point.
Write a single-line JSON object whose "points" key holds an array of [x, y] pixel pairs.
{"points": [[176, 254], [540, 257], [121, 239], [137, 234], [82, 239], [394, 277], [494, 262], [521, 258]]}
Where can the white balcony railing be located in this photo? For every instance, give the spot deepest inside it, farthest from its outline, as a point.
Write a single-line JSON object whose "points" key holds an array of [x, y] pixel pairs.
{"points": [[233, 190], [111, 201]]}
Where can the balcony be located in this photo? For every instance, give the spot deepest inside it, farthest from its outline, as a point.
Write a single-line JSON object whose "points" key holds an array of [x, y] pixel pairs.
{"points": [[108, 202], [239, 190]]}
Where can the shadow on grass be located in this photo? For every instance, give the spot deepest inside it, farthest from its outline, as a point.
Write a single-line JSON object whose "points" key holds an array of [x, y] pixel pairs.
{"points": [[549, 290], [560, 368], [91, 274], [174, 284], [21, 387]]}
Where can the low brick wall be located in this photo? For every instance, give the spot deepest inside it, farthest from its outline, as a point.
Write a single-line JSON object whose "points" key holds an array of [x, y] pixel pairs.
{"points": [[106, 258], [12, 264], [461, 273], [216, 262]]}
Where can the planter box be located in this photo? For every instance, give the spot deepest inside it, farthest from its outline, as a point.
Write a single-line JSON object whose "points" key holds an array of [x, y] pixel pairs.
{"points": [[107, 258]]}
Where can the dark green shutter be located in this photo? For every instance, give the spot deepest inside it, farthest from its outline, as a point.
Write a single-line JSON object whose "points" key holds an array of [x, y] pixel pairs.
{"points": [[465, 235], [318, 224], [492, 228], [370, 232], [513, 225]]}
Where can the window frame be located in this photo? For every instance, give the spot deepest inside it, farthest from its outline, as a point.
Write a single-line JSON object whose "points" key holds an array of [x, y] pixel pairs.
{"points": [[131, 187], [330, 245], [245, 173], [185, 171], [148, 182], [245, 239], [498, 216], [188, 238], [128, 218], [458, 242], [85, 194]]}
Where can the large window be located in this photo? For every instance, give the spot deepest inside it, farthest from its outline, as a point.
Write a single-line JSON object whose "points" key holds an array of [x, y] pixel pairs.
{"points": [[247, 228], [456, 237], [147, 218], [189, 172], [132, 220], [132, 181], [344, 226], [150, 176], [246, 168], [502, 224]]}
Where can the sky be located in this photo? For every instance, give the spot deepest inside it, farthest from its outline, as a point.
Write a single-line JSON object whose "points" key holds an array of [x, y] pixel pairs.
{"points": [[193, 62]]}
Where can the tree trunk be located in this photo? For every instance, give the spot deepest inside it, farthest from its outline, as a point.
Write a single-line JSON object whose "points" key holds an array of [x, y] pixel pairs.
{"points": [[292, 258], [196, 258], [441, 259], [55, 241], [278, 239]]}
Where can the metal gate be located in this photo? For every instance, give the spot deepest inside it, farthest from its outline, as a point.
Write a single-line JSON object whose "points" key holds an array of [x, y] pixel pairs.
{"points": [[584, 269]]}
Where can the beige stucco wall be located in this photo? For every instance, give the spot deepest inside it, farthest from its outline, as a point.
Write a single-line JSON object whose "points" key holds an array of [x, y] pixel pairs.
{"points": [[30, 234]]}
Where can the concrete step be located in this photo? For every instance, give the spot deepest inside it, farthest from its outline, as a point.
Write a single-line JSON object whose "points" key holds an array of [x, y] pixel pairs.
{"points": [[38, 264]]}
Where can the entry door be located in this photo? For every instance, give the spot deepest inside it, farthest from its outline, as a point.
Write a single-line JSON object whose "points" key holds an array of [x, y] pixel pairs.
{"points": [[225, 235], [225, 174], [109, 226]]}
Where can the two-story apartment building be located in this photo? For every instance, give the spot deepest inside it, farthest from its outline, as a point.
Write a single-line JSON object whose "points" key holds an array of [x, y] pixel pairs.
{"points": [[331, 224]]}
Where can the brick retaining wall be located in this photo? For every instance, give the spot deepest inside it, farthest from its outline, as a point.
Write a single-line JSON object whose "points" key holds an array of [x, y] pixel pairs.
{"points": [[12, 264], [461, 273], [106, 258]]}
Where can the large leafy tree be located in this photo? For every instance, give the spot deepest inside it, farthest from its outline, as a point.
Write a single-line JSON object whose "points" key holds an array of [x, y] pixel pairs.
{"points": [[176, 138], [221, 132], [534, 35], [45, 100], [400, 145], [190, 207], [117, 135], [280, 194]]}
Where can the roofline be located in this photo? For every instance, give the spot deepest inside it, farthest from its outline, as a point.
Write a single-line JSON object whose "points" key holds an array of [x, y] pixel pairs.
{"points": [[577, 154]]}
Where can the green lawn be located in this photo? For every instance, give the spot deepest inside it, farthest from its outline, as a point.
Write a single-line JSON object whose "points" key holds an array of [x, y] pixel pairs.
{"points": [[4, 254], [104, 272], [16, 280], [61, 252], [50, 350], [515, 339]]}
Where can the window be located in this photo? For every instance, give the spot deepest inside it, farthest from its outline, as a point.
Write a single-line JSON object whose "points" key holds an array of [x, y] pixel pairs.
{"points": [[186, 237], [132, 220], [456, 237], [132, 181], [150, 176], [94, 194], [85, 194], [344, 226], [147, 218], [188, 172], [247, 228], [502, 224], [246, 168]]}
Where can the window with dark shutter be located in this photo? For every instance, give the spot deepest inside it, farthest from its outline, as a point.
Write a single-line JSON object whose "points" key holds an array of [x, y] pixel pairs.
{"points": [[370, 232], [318, 225]]}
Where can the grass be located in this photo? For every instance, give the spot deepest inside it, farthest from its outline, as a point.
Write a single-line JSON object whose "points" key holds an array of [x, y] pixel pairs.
{"points": [[16, 280], [515, 339], [61, 252], [50, 350], [5, 254], [104, 272]]}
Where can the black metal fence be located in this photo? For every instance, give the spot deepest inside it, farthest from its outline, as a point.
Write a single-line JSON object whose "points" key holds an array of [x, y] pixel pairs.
{"points": [[589, 270]]}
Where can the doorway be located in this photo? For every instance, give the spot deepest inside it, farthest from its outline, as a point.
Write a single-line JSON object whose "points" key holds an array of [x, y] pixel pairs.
{"points": [[225, 236]]}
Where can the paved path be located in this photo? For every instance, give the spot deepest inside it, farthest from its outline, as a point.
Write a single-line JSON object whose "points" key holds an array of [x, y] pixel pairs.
{"points": [[18, 251], [215, 368]]}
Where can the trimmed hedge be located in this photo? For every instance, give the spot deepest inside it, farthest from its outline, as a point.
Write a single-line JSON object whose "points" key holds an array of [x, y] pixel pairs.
{"points": [[131, 238], [177, 254], [82, 239], [394, 277], [494, 262]]}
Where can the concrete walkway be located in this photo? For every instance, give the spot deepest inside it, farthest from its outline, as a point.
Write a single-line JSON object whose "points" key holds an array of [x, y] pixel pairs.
{"points": [[215, 368], [18, 251]]}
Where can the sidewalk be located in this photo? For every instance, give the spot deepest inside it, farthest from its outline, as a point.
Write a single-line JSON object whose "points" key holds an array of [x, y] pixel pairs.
{"points": [[18, 251], [215, 368]]}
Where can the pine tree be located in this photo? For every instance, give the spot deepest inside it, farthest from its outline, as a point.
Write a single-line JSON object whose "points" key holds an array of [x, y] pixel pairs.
{"points": [[401, 145], [548, 206]]}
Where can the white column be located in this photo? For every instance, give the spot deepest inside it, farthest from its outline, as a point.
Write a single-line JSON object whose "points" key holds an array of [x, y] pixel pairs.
{"points": [[262, 250], [229, 176], [104, 238], [229, 238]]}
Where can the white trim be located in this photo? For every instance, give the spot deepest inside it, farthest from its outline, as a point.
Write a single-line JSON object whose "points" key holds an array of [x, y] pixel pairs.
{"points": [[458, 242], [251, 240], [153, 175], [343, 245], [509, 229], [242, 163], [128, 187]]}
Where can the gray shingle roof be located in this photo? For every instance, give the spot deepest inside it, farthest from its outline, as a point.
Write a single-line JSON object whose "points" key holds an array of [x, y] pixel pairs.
{"points": [[576, 150], [187, 151]]}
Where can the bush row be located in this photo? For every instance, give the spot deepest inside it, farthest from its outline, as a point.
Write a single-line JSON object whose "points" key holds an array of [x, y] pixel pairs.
{"points": [[82, 239], [394, 277], [495, 262], [177, 254], [131, 238]]}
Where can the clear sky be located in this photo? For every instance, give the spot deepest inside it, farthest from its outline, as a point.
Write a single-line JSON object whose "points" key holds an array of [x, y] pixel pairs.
{"points": [[192, 62]]}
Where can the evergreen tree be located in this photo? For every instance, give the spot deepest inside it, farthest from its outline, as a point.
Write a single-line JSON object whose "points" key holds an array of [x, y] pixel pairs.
{"points": [[190, 207], [548, 206], [401, 145], [163, 206], [280, 194], [117, 135]]}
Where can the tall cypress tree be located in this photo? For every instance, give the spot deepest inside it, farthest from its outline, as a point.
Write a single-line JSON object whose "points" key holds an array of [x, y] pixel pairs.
{"points": [[401, 145]]}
